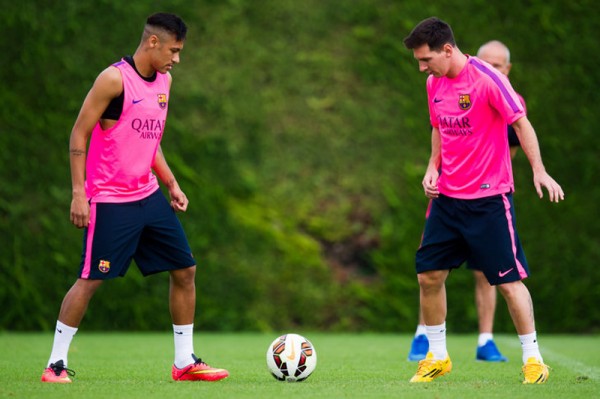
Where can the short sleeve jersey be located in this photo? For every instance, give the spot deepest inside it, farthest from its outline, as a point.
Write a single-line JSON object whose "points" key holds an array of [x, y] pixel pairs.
{"points": [[471, 112], [120, 159]]}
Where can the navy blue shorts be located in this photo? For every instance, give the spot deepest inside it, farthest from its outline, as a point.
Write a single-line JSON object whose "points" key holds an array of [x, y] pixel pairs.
{"points": [[147, 231], [480, 231]]}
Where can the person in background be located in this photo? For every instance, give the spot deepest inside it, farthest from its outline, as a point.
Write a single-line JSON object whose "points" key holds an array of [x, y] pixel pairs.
{"points": [[497, 55]]}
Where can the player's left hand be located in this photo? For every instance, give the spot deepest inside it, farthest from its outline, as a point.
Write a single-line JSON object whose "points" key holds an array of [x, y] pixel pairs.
{"points": [[555, 191]]}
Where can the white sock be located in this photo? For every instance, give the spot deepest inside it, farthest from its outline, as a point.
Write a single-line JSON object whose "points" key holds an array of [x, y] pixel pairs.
{"points": [[530, 347], [421, 330], [437, 341], [63, 335], [484, 338], [184, 344]]}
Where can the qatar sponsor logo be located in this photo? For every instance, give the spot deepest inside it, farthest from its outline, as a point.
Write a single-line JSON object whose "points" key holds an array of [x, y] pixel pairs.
{"points": [[455, 126], [148, 128]]}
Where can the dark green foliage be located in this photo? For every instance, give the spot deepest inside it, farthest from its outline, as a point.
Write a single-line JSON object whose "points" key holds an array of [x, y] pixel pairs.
{"points": [[299, 131]]}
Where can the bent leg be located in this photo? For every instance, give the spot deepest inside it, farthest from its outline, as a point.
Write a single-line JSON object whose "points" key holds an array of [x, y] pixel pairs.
{"points": [[433, 305], [71, 313], [433, 296], [182, 304], [76, 301], [520, 306], [182, 295]]}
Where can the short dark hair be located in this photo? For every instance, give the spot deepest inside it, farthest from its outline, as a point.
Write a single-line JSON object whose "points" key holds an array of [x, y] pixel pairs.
{"points": [[170, 23], [431, 31]]}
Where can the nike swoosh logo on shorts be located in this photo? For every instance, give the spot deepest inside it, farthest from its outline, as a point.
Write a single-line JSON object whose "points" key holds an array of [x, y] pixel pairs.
{"points": [[435, 100], [502, 274]]}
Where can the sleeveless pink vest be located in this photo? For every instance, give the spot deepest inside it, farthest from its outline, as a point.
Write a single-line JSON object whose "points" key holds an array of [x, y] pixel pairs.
{"points": [[119, 159]]}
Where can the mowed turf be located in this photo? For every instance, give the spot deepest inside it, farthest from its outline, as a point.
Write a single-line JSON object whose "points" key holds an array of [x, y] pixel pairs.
{"points": [[138, 365]]}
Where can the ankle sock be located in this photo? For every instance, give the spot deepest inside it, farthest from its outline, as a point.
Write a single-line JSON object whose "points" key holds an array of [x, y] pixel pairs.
{"points": [[184, 344], [484, 338], [530, 347], [437, 341], [63, 335]]}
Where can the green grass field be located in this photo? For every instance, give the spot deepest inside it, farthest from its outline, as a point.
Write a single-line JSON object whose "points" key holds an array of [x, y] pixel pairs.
{"points": [[137, 365]]}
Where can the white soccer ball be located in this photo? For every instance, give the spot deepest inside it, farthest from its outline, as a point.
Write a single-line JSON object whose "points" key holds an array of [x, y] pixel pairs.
{"points": [[291, 357]]}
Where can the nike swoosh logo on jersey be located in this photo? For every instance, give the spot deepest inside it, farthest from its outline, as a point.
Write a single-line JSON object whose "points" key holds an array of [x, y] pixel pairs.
{"points": [[137, 101], [502, 274], [436, 100]]}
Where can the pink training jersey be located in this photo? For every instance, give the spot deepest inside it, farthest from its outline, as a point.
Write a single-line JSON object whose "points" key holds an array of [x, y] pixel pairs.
{"points": [[471, 112], [119, 160]]}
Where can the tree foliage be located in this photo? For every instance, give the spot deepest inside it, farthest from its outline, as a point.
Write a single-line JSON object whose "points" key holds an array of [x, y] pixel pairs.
{"points": [[299, 131]]}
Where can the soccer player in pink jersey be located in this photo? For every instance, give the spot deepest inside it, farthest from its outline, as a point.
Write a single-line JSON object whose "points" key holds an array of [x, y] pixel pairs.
{"points": [[471, 215], [117, 199], [496, 54]]}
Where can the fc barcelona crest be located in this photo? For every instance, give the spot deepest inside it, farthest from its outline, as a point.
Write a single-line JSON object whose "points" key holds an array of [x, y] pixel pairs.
{"points": [[464, 101], [104, 266], [162, 101]]}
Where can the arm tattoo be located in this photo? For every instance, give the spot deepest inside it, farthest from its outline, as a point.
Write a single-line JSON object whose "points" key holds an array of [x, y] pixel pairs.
{"points": [[77, 152]]}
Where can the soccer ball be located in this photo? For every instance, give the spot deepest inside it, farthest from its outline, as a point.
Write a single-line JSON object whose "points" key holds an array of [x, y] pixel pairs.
{"points": [[291, 357]]}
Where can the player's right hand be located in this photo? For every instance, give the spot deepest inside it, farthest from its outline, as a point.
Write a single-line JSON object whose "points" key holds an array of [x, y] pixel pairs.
{"points": [[80, 212], [430, 183]]}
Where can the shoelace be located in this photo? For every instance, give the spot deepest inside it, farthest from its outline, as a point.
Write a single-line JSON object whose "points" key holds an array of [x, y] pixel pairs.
{"points": [[58, 368], [198, 360]]}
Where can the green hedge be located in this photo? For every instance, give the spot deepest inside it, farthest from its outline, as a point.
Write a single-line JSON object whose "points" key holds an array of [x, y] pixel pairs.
{"points": [[299, 131]]}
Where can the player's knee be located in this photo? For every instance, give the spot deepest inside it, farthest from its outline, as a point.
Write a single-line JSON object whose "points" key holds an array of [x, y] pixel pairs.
{"points": [[184, 276], [512, 289], [86, 285], [432, 279]]}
